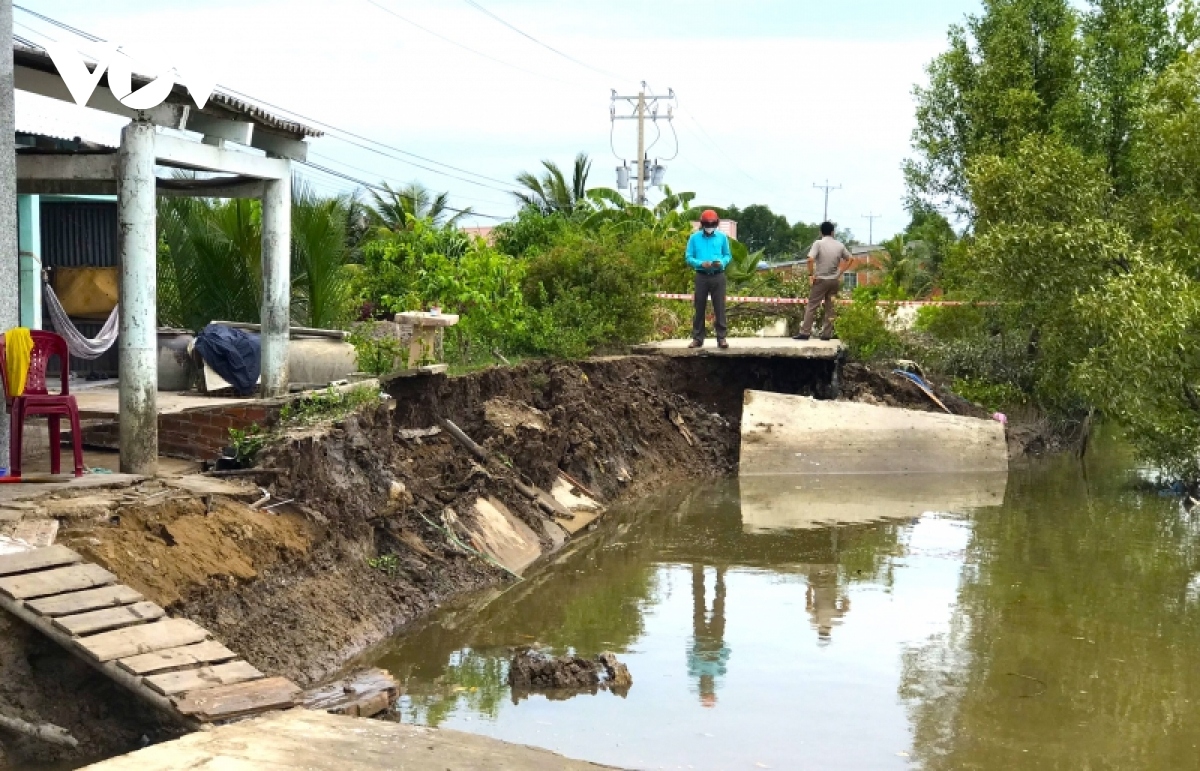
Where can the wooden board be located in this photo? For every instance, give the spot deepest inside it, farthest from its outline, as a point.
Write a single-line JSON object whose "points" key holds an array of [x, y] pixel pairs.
{"points": [[147, 638], [365, 694], [29, 586], [109, 618], [210, 652], [38, 533], [82, 602], [38, 559], [229, 701], [173, 683]]}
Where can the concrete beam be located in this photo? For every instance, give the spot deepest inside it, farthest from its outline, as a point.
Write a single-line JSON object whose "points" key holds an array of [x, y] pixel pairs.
{"points": [[276, 279], [240, 132], [66, 167], [234, 187], [51, 84], [238, 188], [185, 154], [66, 187], [280, 146], [137, 339]]}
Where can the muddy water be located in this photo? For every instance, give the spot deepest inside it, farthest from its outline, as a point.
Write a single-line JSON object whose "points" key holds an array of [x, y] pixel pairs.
{"points": [[1052, 621]]}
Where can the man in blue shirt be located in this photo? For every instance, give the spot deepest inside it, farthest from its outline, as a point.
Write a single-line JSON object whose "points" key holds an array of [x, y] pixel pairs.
{"points": [[708, 254]]}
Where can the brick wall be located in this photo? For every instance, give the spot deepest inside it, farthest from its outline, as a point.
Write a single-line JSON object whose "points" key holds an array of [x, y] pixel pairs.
{"points": [[197, 434]]}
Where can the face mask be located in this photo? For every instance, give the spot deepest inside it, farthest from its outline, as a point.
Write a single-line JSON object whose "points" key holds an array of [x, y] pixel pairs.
{"points": [[709, 231]]}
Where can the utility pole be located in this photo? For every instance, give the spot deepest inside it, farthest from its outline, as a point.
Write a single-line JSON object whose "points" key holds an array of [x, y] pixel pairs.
{"points": [[828, 188], [871, 228], [645, 173], [641, 111]]}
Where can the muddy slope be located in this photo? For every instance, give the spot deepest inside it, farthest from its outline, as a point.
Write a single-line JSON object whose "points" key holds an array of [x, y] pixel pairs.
{"points": [[364, 548], [371, 487]]}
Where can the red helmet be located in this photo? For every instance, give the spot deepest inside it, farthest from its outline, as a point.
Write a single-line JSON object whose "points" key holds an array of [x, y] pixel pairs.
{"points": [[709, 218]]}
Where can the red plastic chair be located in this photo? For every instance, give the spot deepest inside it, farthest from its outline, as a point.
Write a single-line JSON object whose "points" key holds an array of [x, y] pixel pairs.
{"points": [[38, 401]]}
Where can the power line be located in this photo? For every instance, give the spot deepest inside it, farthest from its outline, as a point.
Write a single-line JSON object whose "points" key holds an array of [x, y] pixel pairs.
{"points": [[386, 178], [60, 25], [547, 46], [381, 189], [457, 44]]}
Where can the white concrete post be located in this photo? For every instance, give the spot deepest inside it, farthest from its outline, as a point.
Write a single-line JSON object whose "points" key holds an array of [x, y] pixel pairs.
{"points": [[29, 208], [137, 339], [10, 299], [277, 281]]}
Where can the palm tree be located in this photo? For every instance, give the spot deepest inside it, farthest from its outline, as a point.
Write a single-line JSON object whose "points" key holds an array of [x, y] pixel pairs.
{"points": [[907, 265], [552, 193], [210, 259], [396, 209]]}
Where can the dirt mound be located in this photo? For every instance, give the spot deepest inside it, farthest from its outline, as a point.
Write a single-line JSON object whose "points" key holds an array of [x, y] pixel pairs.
{"points": [[175, 548], [531, 670], [881, 385]]}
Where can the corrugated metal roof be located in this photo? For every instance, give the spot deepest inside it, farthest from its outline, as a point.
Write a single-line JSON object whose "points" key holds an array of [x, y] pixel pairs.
{"points": [[35, 56], [47, 117]]}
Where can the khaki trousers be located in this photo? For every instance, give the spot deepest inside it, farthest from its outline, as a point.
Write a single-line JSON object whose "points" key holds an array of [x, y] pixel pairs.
{"points": [[823, 290]]}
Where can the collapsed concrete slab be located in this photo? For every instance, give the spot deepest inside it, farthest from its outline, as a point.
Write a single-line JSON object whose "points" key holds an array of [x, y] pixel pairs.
{"points": [[784, 434], [814, 502]]}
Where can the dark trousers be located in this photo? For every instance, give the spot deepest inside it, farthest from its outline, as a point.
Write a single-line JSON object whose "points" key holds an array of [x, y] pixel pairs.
{"points": [[823, 290], [709, 285]]}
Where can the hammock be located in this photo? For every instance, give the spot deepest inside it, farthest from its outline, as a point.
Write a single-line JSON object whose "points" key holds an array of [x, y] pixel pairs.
{"points": [[77, 344]]}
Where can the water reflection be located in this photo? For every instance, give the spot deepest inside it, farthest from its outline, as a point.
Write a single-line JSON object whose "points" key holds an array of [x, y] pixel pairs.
{"points": [[674, 587], [707, 652], [1050, 624]]}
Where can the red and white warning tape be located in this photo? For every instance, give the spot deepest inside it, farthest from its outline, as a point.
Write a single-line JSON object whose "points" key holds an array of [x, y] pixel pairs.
{"points": [[804, 300]]}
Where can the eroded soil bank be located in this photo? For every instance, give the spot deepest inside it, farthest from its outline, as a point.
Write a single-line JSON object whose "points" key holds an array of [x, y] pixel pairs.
{"points": [[362, 548]]}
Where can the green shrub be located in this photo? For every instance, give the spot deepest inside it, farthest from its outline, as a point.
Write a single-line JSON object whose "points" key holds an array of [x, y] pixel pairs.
{"points": [[377, 350], [994, 396], [950, 322], [328, 404], [587, 293], [862, 328], [246, 444]]}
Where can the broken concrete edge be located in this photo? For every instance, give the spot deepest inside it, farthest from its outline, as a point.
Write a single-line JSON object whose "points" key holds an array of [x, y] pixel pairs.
{"points": [[316, 739]]}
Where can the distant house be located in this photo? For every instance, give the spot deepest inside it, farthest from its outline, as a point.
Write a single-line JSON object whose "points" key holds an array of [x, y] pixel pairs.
{"points": [[728, 227], [481, 232], [864, 268]]}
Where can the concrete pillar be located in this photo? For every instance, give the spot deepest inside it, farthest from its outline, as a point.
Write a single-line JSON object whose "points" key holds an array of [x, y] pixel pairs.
{"points": [[29, 218], [277, 281], [138, 336], [9, 275]]}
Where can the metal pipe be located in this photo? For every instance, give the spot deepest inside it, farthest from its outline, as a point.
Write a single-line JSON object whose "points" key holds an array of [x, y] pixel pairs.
{"points": [[276, 273], [137, 339]]}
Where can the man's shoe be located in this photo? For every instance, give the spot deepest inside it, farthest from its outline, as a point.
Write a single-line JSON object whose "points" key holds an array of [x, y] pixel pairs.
{"points": [[722, 344], [696, 344], [827, 338], [801, 336]]}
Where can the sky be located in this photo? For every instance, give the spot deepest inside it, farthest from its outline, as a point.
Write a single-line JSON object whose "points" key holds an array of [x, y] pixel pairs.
{"points": [[774, 96]]}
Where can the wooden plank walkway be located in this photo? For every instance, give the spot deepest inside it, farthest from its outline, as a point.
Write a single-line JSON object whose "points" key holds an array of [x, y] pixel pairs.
{"points": [[171, 663]]}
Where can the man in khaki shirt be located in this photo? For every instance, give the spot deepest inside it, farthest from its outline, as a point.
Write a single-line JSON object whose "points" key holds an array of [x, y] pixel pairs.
{"points": [[825, 266]]}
